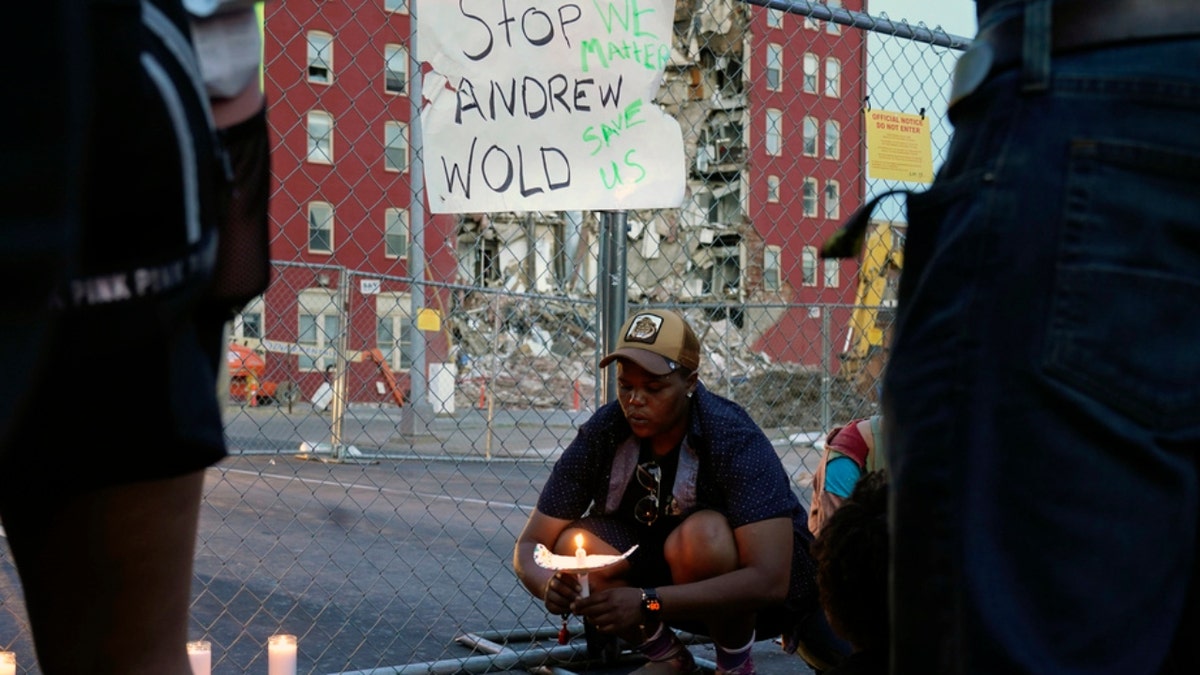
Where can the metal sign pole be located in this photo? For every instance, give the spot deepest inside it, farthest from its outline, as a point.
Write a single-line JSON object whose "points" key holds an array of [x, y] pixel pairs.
{"points": [[418, 400], [338, 409], [613, 293]]}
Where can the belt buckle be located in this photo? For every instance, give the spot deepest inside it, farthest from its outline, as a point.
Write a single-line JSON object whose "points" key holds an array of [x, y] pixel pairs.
{"points": [[971, 70]]}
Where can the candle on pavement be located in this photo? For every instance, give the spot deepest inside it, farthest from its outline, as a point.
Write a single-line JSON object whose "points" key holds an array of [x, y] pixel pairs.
{"points": [[200, 656], [281, 655]]}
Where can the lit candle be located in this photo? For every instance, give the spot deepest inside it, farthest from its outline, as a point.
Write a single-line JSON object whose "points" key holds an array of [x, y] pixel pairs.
{"points": [[581, 563], [580, 554], [200, 656], [281, 655], [8, 663]]}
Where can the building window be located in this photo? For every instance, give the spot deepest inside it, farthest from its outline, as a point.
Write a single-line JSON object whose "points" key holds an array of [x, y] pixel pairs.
{"points": [[396, 233], [811, 64], [833, 272], [833, 77], [833, 139], [774, 18], [249, 323], [320, 57], [394, 330], [811, 23], [395, 146], [833, 195], [773, 188], [487, 261], [727, 267], [395, 69], [720, 141], [317, 338], [774, 67], [722, 204], [320, 227], [318, 328], [397, 6], [772, 266], [808, 263], [774, 133], [810, 197], [831, 27], [810, 136], [320, 137]]}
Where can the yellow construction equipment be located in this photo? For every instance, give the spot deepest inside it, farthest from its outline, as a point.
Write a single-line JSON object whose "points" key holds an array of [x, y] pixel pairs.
{"points": [[865, 352]]}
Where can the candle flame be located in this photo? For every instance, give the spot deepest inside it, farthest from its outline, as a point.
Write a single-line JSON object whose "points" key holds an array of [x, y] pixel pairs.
{"points": [[579, 540]]}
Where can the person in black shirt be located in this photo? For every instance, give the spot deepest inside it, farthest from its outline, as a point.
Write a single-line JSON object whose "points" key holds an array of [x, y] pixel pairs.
{"points": [[689, 478], [119, 186]]}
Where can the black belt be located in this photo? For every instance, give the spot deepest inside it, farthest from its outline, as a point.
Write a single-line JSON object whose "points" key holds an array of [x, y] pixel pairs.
{"points": [[1085, 24], [1075, 25]]}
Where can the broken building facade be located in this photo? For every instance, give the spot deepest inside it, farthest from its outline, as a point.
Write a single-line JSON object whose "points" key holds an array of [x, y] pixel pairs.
{"points": [[770, 108], [772, 156]]}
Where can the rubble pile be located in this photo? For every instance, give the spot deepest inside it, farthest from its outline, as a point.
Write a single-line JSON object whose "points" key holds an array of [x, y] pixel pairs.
{"points": [[790, 398], [522, 352], [530, 353]]}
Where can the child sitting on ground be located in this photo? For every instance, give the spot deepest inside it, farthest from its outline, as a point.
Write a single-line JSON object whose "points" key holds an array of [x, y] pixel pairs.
{"points": [[852, 575]]}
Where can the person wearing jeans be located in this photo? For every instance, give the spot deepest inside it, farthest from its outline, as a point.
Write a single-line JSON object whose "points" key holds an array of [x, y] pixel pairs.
{"points": [[1042, 405]]}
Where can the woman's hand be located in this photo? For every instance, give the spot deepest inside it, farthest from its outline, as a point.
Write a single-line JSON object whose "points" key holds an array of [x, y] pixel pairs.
{"points": [[561, 590], [615, 610]]}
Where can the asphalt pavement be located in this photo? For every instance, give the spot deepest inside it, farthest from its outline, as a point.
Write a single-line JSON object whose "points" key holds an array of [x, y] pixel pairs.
{"points": [[390, 558], [497, 445]]}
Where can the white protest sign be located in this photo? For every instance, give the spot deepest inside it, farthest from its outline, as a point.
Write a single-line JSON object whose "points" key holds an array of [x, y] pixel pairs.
{"points": [[547, 105]]}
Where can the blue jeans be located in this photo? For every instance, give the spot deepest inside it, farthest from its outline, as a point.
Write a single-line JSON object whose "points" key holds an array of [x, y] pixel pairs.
{"points": [[1043, 397]]}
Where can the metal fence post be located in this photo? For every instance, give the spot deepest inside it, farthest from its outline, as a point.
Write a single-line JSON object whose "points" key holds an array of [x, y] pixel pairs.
{"points": [[418, 399], [826, 370], [613, 293]]}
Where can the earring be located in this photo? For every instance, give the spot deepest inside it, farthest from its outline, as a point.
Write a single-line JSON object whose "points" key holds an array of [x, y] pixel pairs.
{"points": [[689, 394]]}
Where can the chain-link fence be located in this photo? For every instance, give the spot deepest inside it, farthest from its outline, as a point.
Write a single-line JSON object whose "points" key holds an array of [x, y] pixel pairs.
{"points": [[400, 392]]}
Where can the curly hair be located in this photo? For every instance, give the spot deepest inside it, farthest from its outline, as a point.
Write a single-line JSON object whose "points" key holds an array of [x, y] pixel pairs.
{"points": [[852, 564]]}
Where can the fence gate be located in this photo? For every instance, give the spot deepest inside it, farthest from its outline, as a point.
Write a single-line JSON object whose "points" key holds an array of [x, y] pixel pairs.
{"points": [[419, 372]]}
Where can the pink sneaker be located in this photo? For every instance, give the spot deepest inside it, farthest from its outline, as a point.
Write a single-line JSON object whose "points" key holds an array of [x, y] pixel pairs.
{"points": [[747, 668]]}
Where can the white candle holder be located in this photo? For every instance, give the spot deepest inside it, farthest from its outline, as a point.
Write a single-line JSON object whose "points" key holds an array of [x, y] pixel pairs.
{"points": [[281, 655], [200, 656], [8, 663], [579, 564]]}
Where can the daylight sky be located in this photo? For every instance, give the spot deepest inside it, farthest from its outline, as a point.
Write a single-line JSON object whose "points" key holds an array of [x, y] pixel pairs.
{"points": [[956, 17], [907, 77]]}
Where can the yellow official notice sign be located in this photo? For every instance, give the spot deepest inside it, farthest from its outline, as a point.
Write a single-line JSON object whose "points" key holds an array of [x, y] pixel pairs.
{"points": [[429, 320], [898, 147]]}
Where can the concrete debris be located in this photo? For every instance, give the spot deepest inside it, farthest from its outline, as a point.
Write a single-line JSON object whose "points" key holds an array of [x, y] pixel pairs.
{"points": [[537, 345], [530, 353], [699, 251]]}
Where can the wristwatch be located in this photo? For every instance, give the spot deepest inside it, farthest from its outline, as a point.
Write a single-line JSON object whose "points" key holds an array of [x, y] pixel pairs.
{"points": [[651, 606]]}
